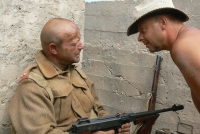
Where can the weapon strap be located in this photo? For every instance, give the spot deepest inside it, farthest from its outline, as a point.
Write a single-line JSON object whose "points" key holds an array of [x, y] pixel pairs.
{"points": [[149, 95], [138, 127]]}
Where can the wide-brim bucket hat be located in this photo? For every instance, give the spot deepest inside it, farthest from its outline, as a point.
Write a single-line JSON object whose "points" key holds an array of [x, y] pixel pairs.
{"points": [[154, 7]]}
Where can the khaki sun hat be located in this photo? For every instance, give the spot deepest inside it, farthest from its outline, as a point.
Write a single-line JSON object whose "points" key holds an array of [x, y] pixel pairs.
{"points": [[154, 7]]}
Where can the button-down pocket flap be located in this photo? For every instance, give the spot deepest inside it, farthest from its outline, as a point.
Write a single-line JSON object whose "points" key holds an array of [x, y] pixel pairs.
{"points": [[79, 82], [85, 98], [61, 90]]}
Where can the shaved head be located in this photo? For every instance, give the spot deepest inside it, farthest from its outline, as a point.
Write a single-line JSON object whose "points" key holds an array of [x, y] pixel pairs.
{"points": [[55, 30], [61, 42]]}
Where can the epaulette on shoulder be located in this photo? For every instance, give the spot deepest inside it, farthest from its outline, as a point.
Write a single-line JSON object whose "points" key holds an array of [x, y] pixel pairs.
{"points": [[25, 73], [41, 81]]}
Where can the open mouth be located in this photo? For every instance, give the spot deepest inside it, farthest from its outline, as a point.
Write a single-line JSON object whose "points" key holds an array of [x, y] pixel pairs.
{"points": [[147, 45], [78, 54]]}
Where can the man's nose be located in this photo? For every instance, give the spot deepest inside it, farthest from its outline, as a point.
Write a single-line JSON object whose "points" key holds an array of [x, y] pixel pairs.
{"points": [[81, 46], [140, 37]]}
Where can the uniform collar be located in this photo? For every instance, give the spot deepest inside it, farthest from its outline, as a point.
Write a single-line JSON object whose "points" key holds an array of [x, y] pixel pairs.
{"points": [[48, 69]]}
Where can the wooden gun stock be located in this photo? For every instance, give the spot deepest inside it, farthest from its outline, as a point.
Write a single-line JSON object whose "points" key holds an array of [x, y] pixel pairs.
{"points": [[147, 124]]}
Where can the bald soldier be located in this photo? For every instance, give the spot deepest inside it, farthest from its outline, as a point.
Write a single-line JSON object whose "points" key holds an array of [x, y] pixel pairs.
{"points": [[53, 92], [160, 26]]}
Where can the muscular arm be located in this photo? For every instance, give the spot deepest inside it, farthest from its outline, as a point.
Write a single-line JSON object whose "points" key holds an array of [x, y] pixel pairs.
{"points": [[186, 55]]}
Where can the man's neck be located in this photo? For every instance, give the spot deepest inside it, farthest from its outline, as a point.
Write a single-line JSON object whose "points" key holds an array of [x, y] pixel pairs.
{"points": [[173, 34]]}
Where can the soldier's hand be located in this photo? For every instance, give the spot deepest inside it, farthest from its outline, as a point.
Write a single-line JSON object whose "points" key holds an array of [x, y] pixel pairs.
{"points": [[104, 132], [125, 129]]}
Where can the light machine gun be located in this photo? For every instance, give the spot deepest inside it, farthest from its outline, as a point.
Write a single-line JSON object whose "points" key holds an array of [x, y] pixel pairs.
{"points": [[85, 125]]}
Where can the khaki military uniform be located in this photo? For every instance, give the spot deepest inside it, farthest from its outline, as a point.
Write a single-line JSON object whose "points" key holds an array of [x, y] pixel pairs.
{"points": [[31, 110]]}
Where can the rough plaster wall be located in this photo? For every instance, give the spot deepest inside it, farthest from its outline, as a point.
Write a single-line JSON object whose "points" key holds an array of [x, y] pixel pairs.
{"points": [[122, 69], [21, 22]]}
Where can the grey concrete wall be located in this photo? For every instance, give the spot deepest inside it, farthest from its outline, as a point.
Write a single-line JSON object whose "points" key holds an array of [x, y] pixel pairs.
{"points": [[122, 69], [21, 22]]}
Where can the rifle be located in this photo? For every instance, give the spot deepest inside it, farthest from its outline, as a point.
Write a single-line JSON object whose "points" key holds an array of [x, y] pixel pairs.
{"points": [[152, 101], [144, 125], [85, 125]]}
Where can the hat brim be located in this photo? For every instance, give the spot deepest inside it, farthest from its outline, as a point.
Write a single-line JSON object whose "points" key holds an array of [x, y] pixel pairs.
{"points": [[132, 29]]}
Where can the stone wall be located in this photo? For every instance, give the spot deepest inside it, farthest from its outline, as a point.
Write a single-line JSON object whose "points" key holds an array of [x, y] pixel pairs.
{"points": [[21, 22], [122, 69]]}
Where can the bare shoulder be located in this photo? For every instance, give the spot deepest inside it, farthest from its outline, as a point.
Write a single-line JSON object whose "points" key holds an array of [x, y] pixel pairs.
{"points": [[187, 45], [188, 36], [186, 48]]}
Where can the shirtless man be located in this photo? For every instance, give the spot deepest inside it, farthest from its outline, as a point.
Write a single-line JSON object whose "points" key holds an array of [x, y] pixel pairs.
{"points": [[161, 27]]}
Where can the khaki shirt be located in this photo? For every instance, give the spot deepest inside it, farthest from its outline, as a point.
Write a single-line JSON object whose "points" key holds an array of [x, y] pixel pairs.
{"points": [[32, 112]]}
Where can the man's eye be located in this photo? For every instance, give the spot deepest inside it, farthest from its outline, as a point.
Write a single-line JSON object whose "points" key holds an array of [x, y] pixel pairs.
{"points": [[144, 30]]}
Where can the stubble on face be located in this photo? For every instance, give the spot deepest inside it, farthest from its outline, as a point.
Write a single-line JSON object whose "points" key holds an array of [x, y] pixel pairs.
{"points": [[68, 52], [73, 43], [151, 34]]}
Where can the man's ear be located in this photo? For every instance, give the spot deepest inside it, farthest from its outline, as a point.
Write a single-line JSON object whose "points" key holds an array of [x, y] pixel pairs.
{"points": [[163, 22], [53, 48]]}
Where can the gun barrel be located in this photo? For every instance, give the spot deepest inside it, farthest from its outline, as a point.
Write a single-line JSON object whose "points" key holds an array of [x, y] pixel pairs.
{"points": [[154, 112], [158, 61]]}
